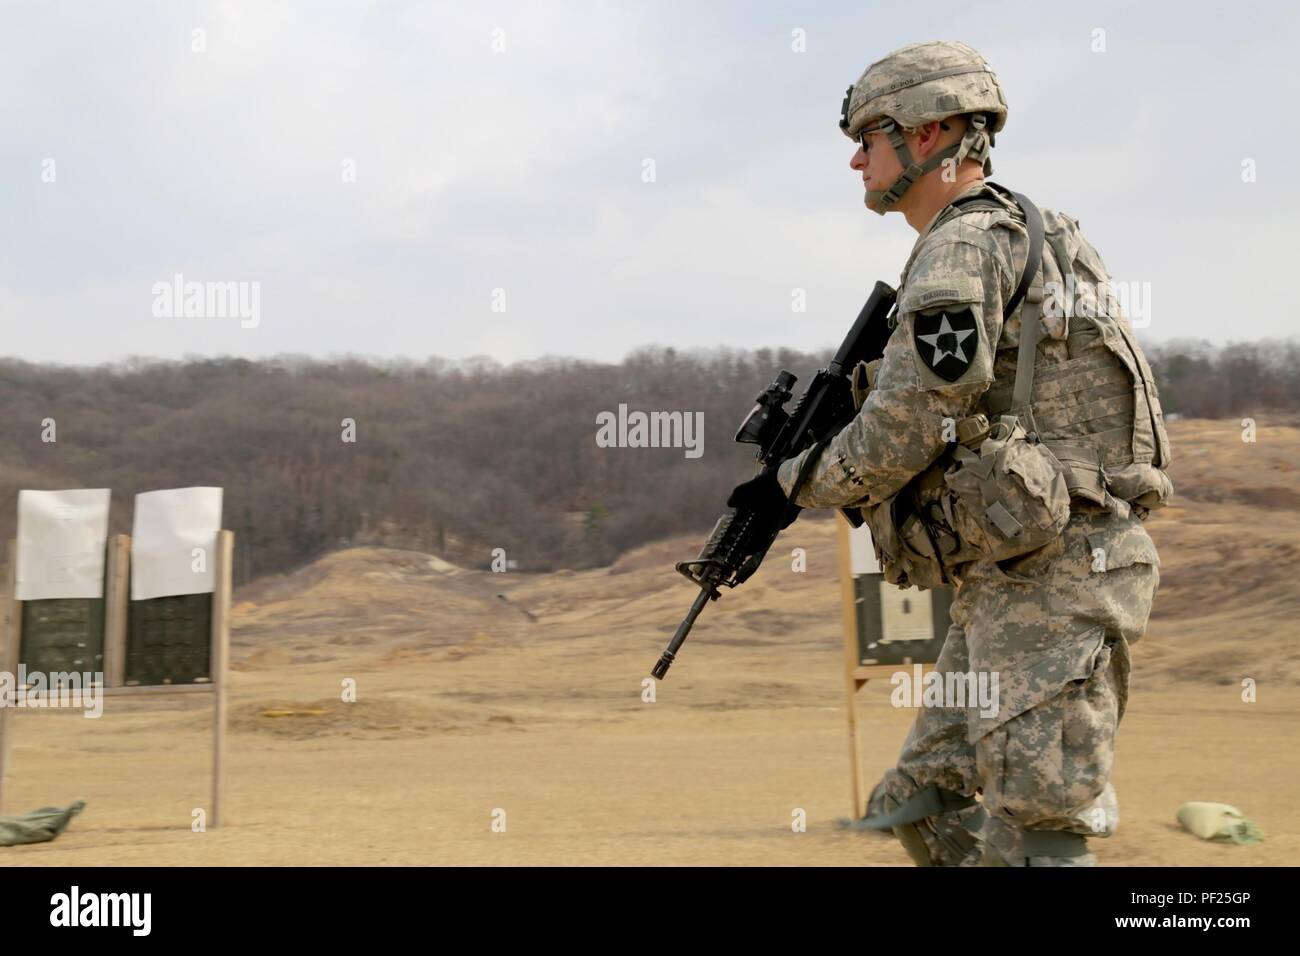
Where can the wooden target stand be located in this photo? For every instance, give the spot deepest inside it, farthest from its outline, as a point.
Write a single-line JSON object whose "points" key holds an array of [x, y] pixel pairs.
{"points": [[856, 673], [116, 608]]}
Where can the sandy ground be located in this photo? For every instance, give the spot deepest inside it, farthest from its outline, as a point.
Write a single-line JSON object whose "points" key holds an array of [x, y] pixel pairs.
{"points": [[482, 693]]}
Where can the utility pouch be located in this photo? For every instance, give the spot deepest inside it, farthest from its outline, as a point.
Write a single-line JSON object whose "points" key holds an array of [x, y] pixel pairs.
{"points": [[1008, 496]]}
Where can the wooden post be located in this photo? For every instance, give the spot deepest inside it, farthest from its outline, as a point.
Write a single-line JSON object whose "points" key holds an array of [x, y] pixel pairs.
{"points": [[220, 661], [116, 609], [856, 674], [849, 618], [9, 641]]}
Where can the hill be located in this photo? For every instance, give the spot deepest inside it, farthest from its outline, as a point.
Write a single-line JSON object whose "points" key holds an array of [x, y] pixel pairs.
{"points": [[479, 692]]}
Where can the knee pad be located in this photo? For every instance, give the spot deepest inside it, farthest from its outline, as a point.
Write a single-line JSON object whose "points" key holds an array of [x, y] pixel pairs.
{"points": [[936, 827], [1056, 848], [1006, 845]]}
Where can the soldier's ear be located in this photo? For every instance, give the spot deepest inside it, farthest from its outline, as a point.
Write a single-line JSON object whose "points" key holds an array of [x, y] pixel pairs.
{"points": [[930, 135]]}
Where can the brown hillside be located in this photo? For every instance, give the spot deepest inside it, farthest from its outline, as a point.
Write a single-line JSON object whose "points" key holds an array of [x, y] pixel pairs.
{"points": [[479, 691]]}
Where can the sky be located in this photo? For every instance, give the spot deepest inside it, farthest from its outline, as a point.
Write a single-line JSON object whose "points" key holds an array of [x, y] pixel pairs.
{"points": [[517, 180]]}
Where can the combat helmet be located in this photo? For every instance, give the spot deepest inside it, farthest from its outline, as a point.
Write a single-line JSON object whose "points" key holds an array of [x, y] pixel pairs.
{"points": [[917, 84]]}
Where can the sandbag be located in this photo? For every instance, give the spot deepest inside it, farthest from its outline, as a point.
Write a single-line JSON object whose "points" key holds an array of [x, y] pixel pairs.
{"points": [[39, 826], [1218, 821]]}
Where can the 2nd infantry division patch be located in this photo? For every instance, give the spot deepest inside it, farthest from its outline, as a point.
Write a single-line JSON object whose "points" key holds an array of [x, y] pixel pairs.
{"points": [[946, 342]]}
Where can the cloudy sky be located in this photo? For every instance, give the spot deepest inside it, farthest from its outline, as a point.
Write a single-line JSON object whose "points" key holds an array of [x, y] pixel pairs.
{"points": [[416, 179]]}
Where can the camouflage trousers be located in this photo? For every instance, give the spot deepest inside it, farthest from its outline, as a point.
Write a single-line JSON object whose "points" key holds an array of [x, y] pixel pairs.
{"points": [[1055, 628]]}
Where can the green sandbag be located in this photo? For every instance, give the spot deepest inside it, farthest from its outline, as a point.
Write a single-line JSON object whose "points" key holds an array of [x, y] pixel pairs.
{"points": [[1218, 821], [39, 825]]}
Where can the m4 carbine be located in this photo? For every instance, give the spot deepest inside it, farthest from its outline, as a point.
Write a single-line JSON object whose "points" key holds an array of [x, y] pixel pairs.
{"points": [[741, 538]]}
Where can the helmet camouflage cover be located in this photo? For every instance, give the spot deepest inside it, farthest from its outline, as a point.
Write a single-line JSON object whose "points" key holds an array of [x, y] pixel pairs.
{"points": [[920, 83]]}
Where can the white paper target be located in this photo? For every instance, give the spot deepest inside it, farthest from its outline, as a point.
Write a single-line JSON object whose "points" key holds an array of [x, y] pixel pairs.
{"points": [[61, 538], [174, 542], [905, 615]]}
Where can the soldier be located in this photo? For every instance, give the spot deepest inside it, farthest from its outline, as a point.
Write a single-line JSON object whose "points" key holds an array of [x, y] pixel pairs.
{"points": [[1077, 435]]}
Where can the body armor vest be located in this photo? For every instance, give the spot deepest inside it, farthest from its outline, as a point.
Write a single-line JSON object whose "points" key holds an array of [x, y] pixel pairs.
{"points": [[1094, 400]]}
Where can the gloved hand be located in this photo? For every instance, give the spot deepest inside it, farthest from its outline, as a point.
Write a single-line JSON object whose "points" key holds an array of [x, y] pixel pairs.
{"points": [[763, 494]]}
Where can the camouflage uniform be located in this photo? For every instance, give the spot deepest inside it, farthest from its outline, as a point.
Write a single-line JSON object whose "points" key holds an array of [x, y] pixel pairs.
{"points": [[1056, 624]]}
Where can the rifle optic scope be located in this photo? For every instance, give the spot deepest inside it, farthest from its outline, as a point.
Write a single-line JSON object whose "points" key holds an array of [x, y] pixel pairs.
{"points": [[767, 417]]}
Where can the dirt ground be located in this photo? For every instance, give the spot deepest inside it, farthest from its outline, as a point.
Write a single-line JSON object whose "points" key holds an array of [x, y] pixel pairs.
{"points": [[518, 697]]}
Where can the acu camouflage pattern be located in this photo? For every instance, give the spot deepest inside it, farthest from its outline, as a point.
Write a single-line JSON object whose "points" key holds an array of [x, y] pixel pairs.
{"points": [[900, 429], [917, 84], [922, 82], [1094, 393], [1056, 624]]}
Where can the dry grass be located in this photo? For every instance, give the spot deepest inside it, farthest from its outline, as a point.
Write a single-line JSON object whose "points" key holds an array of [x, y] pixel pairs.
{"points": [[478, 691]]}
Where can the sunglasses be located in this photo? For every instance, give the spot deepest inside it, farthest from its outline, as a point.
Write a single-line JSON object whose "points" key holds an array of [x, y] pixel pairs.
{"points": [[883, 126]]}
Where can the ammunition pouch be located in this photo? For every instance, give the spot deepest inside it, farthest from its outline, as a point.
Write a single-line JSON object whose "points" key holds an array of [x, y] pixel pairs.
{"points": [[1001, 499], [1007, 497], [907, 554]]}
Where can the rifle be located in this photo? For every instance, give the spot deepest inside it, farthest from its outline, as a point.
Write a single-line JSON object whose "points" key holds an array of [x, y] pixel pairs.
{"points": [[741, 538]]}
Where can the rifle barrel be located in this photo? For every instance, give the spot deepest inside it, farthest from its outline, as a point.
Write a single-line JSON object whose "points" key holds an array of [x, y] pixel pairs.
{"points": [[684, 628]]}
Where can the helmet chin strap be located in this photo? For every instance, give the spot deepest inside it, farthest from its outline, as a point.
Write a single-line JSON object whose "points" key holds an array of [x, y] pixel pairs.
{"points": [[975, 144]]}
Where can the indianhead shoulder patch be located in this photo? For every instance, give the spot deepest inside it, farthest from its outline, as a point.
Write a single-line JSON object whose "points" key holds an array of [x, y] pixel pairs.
{"points": [[946, 342]]}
